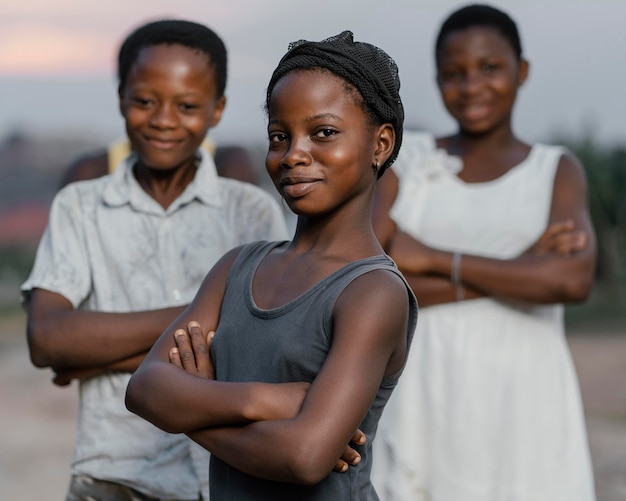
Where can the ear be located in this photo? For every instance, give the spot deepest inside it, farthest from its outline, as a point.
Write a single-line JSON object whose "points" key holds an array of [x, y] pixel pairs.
{"points": [[120, 97], [524, 67], [217, 111], [385, 142]]}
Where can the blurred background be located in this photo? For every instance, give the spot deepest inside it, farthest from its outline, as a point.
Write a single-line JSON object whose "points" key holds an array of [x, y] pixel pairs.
{"points": [[58, 100]]}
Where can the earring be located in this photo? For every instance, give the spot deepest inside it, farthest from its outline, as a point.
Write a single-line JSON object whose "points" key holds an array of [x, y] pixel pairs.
{"points": [[376, 166]]}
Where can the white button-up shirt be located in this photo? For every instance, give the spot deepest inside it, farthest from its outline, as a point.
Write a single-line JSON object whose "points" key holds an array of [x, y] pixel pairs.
{"points": [[110, 247]]}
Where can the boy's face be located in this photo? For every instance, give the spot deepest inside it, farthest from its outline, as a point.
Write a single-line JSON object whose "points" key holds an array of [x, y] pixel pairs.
{"points": [[169, 103]]}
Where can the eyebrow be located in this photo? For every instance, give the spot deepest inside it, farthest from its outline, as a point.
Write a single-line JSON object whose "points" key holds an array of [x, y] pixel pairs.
{"points": [[320, 116]]}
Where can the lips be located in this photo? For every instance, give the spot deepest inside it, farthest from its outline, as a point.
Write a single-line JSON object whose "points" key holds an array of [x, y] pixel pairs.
{"points": [[162, 143], [298, 186], [475, 111]]}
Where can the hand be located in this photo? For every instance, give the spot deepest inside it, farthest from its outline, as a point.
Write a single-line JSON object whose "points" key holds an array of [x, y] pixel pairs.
{"points": [[560, 238], [63, 377], [193, 351], [350, 456]]}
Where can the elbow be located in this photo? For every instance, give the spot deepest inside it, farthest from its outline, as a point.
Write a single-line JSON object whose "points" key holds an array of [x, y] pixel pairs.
{"points": [[132, 399], [577, 289], [308, 468], [139, 399], [40, 354], [307, 475], [577, 285]]}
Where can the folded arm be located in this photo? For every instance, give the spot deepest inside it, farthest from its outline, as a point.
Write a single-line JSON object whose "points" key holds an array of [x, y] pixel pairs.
{"points": [[179, 401], [557, 268], [369, 342], [86, 341]]}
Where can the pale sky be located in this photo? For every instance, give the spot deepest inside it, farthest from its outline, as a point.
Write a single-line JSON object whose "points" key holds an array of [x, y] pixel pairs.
{"points": [[57, 58]]}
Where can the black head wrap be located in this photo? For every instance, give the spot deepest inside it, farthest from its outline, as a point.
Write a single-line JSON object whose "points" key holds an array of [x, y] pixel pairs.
{"points": [[369, 69]]}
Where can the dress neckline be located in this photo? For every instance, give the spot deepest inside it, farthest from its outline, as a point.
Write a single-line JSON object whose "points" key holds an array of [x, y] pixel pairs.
{"points": [[291, 304], [492, 182]]}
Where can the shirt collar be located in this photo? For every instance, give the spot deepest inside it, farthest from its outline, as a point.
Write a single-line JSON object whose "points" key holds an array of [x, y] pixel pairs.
{"points": [[123, 188]]}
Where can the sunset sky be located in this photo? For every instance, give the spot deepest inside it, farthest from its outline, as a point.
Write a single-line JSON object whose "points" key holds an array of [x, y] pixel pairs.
{"points": [[57, 58]]}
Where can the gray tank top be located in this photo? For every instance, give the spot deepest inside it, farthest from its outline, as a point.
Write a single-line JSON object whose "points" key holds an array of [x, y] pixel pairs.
{"points": [[252, 344]]}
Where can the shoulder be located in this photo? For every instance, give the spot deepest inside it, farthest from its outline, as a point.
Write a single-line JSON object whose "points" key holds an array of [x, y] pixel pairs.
{"points": [[80, 196], [244, 196], [87, 166], [380, 289], [570, 173], [567, 167]]}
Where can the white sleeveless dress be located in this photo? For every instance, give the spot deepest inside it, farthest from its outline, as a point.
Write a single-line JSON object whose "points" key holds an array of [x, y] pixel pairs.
{"points": [[488, 407]]}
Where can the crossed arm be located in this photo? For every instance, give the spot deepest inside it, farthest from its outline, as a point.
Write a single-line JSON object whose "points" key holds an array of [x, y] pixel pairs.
{"points": [[370, 325], [557, 268], [115, 341]]}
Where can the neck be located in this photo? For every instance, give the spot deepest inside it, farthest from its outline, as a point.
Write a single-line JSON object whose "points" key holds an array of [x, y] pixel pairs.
{"points": [[165, 185], [347, 234], [464, 142]]}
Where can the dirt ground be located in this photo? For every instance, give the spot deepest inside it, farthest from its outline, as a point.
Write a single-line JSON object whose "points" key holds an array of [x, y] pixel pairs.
{"points": [[37, 418]]}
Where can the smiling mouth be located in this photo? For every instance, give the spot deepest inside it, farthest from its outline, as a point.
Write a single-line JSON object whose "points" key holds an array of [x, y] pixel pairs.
{"points": [[475, 111], [296, 188], [162, 144]]}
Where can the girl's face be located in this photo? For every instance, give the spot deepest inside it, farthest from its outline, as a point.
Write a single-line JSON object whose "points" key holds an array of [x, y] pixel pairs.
{"points": [[168, 103], [478, 75], [321, 145]]}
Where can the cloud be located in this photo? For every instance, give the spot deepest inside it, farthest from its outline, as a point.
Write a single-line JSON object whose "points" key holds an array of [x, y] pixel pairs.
{"points": [[41, 48]]}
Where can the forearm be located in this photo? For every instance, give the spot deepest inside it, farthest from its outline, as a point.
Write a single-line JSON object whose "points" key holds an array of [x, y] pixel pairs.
{"points": [[63, 377], [431, 290], [548, 278], [536, 279], [178, 402], [292, 459], [67, 339]]}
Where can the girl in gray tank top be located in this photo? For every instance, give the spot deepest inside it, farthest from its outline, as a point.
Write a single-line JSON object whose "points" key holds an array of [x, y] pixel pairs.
{"points": [[289, 347]]}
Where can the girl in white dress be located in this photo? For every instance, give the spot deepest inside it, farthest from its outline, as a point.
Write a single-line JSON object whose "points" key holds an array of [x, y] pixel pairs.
{"points": [[493, 234]]}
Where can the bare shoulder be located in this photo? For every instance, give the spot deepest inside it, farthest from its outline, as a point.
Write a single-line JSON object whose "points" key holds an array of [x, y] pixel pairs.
{"points": [[570, 170], [380, 290]]}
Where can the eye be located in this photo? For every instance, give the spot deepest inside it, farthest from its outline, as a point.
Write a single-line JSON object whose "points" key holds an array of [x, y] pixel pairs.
{"points": [[450, 74], [277, 137], [325, 133], [143, 102], [189, 106], [489, 68]]}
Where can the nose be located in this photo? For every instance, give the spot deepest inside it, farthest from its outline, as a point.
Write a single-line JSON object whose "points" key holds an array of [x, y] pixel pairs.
{"points": [[164, 117], [297, 153], [472, 82]]}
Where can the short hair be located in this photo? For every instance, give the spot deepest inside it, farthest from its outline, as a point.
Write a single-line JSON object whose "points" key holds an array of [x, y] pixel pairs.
{"points": [[367, 68], [483, 16], [169, 32]]}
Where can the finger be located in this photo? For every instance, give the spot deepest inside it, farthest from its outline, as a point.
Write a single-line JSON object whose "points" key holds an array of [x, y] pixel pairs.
{"points": [[341, 466], [358, 437], [570, 243], [350, 456], [185, 350], [557, 229], [61, 380], [200, 348], [175, 357], [209, 342]]}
